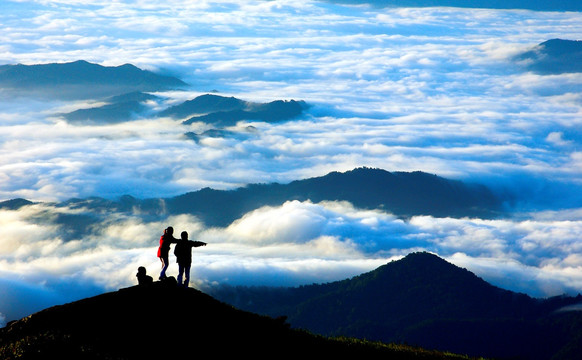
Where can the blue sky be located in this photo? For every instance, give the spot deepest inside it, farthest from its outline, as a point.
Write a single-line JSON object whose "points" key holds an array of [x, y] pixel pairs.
{"points": [[402, 89]]}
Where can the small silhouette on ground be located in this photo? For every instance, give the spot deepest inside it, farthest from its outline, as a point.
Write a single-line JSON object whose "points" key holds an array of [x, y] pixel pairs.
{"points": [[142, 277]]}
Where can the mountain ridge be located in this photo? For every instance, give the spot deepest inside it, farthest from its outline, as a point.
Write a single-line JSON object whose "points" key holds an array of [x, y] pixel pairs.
{"points": [[274, 111], [425, 301], [81, 79], [203, 104], [404, 194], [215, 110], [119, 108], [554, 56]]}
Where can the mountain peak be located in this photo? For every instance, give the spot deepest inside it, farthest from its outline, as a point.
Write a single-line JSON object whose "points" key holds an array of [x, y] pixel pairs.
{"points": [[554, 56], [14, 204], [424, 259], [416, 270], [423, 299]]}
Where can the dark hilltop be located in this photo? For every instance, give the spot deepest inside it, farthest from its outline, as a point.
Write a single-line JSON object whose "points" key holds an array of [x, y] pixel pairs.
{"points": [[166, 321]]}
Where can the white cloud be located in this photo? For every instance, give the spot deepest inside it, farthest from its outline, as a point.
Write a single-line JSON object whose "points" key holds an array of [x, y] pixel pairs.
{"points": [[293, 222], [294, 232], [557, 138]]}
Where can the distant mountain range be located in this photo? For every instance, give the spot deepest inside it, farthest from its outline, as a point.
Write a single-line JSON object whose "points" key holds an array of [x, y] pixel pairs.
{"points": [[215, 110], [554, 56], [164, 321], [424, 300], [540, 5], [203, 104], [117, 109], [274, 111], [404, 194], [227, 111], [401, 193], [249, 130], [81, 80], [124, 90]]}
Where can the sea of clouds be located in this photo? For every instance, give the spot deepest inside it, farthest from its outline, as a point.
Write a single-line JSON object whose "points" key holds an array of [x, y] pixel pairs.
{"points": [[402, 89]]}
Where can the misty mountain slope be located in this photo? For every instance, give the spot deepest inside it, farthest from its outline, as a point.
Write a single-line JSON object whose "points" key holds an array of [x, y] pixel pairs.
{"points": [[540, 5], [403, 194], [203, 104], [227, 111], [554, 56], [118, 109], [222, 133], [14, 204], [426, 301], [274, 111], [165, 321], [81, 79], [215, 110]]}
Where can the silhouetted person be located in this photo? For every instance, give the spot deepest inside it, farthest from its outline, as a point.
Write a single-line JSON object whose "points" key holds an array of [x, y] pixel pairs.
{"points": [[142, 277], [164, 250], [183, 252]]}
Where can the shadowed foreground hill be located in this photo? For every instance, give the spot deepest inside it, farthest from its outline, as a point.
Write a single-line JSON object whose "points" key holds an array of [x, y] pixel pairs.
{"points": [[426, 301], [164, 321]]}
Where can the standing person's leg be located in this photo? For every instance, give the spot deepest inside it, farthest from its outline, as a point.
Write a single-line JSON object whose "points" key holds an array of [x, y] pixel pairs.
{"points": [[180, 273], [187, 270], [165, 264]]}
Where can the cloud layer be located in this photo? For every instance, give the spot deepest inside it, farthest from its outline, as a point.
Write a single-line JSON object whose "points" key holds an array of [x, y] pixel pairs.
{"points": [[401, 89], [288, 245]]}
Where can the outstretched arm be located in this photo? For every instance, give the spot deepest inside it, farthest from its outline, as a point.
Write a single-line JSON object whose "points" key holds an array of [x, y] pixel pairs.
{"points": [[199, 243]]}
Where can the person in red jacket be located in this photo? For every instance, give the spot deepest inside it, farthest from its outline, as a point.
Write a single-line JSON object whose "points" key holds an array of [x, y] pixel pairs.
{"points": [[164, 250], [183, 252]]}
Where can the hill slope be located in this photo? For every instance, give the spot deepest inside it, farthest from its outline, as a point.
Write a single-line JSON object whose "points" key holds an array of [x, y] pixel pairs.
{"points": [[117, 109], [224, 111], [403, 194], [81, 79], [165, 321], [426, 301], [554, 56], [203, 104], [275, 111]]}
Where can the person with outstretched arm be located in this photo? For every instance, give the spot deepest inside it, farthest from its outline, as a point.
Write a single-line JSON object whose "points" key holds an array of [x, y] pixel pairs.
{"points": [[164, 250], [183, 252]]}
